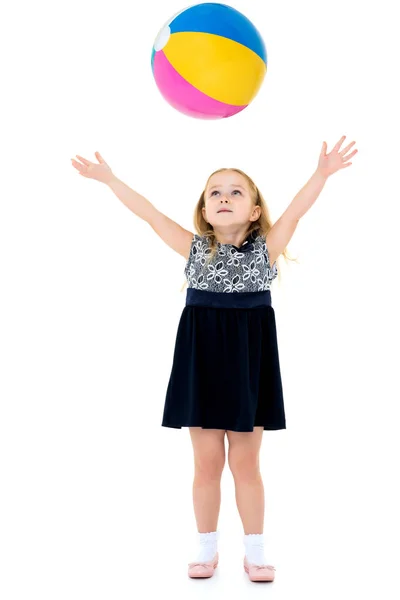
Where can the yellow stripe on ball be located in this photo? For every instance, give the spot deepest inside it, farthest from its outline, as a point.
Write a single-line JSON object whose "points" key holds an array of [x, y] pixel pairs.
{"points": [[217, 66]]}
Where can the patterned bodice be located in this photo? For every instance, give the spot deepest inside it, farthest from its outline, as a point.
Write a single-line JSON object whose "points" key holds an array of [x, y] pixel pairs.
{"points": [[244, 269]]}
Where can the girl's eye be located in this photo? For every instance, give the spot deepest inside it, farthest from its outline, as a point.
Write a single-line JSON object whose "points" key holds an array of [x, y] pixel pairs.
{"points": [[217, 192]]}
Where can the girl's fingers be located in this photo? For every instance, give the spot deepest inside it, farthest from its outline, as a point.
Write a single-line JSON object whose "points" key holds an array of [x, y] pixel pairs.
{"points": [[99, 157], [350, 155], [84, 161], [343, 152], [340, 142], [76, 164]]}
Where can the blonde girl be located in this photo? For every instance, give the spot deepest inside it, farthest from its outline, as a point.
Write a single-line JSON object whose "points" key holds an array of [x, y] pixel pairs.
{"points": [[225, 378]]}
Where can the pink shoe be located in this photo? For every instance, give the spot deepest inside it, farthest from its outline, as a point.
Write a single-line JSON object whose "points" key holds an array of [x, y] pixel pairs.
{"points": [[259, 573], [203, 569]]}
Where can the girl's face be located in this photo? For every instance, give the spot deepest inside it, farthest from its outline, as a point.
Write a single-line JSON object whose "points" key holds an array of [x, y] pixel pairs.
{"points": [[228, 201]]}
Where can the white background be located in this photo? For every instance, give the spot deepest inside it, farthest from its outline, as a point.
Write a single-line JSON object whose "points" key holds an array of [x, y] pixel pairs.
{"points": [[96, 496]]}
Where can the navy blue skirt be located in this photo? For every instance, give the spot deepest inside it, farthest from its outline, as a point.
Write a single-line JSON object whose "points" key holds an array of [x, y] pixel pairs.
{"points": [[225, 372]]}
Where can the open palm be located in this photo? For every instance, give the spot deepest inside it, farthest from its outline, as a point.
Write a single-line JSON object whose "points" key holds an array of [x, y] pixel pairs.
{"points": [[100, 171], [336, 159]]}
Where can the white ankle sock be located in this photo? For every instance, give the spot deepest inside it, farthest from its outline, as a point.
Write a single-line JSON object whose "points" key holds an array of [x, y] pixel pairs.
{"points": [[208, 546], [254, 544]]}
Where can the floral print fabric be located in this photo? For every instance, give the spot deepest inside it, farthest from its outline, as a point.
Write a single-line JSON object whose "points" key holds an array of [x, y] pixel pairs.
{"points": [[244, 269]]}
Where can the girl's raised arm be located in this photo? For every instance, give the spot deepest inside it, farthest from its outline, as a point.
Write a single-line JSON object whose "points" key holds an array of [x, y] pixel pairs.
{"points": [[175, 236]]}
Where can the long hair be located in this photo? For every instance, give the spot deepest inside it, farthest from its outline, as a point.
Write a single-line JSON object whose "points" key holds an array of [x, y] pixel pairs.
{"points": [[260, 227]]}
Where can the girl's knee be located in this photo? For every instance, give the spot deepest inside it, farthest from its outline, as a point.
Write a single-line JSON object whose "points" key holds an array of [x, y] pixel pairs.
{"points": [[244, 467], [209, 453], [209, 466]]}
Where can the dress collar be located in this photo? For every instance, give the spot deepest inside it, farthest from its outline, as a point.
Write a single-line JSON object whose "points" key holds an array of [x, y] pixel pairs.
{"points": [[247, 244]]}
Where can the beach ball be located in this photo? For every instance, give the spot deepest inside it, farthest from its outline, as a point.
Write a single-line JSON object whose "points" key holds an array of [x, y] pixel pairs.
{"points": [[209, 61]]}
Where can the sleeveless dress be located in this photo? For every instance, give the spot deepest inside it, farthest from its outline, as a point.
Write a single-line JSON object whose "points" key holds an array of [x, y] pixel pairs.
{"points": [[225, 370]]}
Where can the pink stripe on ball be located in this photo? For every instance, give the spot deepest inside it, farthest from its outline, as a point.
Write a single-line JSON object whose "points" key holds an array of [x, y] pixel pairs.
{"points": [[184, 96]]}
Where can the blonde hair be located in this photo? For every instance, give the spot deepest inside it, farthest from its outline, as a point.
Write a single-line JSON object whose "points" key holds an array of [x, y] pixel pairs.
{"points": [[261, 226]]}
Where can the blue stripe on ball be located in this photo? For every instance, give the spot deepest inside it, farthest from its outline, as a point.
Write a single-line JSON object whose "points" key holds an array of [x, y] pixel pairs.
{"points": [[223, 20]]}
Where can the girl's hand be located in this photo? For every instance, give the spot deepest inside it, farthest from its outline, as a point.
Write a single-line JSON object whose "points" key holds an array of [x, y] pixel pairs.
{"points": [[335, 160], [100, 172]]}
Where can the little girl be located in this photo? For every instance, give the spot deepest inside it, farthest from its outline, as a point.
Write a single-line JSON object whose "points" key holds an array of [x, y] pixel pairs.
{"points": [[225, 376]]}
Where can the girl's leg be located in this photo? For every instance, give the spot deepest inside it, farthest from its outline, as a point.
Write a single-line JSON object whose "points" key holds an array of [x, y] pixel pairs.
{"points": [[209, 461], [243, 458]]}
